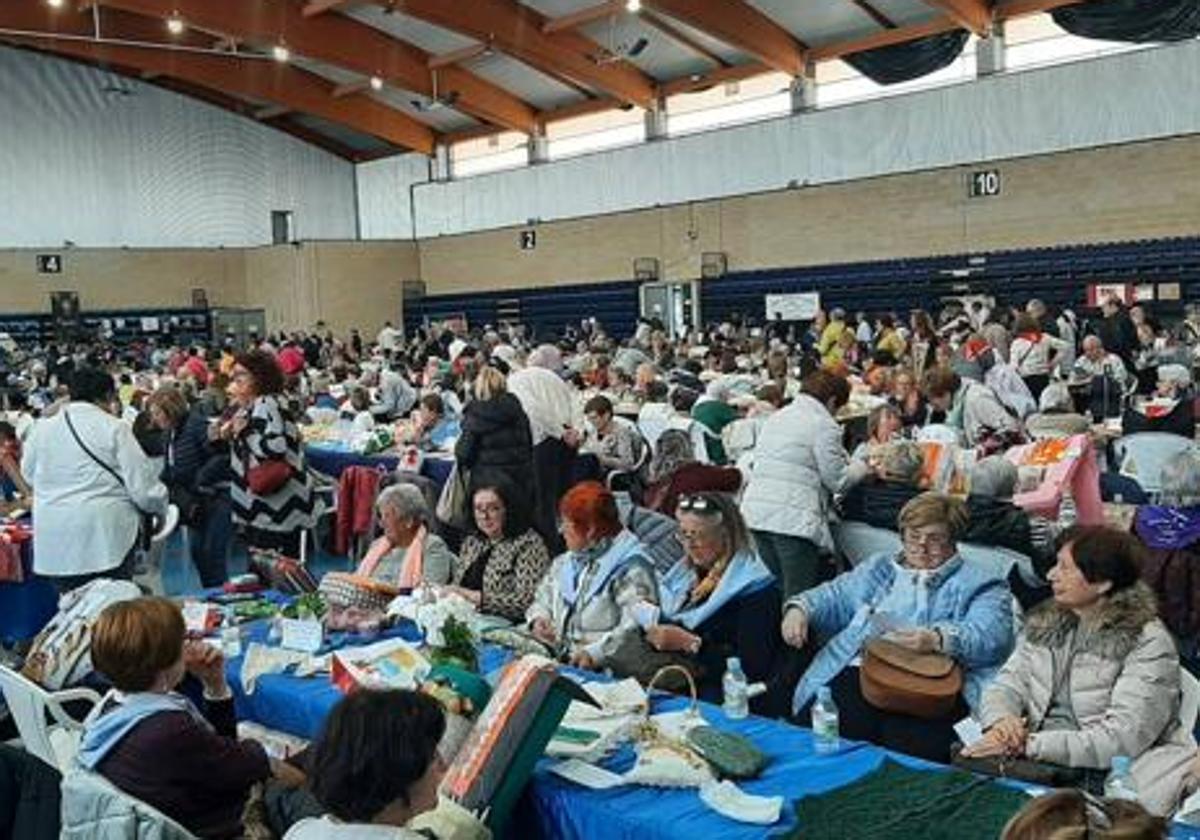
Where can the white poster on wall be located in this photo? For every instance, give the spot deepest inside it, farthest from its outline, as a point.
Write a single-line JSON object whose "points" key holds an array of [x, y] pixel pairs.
{"points": [[798, 306]]}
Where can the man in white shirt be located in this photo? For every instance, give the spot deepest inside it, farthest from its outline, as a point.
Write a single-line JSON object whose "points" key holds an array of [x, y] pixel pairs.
{"points": [[389, 337], [1096, 361], [87, 508]]}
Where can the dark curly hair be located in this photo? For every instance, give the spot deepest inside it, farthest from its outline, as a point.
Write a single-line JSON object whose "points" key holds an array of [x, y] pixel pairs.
{"points": [[264, 368]]}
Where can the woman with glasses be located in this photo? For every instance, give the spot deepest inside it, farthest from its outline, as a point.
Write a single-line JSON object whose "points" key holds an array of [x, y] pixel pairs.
{"points": [[926, 599], [721, 600], [502, 561], [595, 591]]}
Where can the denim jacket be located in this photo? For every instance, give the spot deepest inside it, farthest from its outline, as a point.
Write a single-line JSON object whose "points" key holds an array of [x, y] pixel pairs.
{"points": [[967, 604]]}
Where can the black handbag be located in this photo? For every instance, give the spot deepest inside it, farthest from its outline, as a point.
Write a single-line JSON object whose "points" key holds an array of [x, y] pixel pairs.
{"points": [[1043, 773], [635, 657]]}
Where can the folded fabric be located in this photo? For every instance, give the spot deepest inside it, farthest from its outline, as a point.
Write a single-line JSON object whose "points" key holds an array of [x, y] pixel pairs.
{"points": [[260, 660], [728, 800]]}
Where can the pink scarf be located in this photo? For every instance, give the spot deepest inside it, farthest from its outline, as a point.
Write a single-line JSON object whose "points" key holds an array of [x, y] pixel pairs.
{"points": [[411, 571]]}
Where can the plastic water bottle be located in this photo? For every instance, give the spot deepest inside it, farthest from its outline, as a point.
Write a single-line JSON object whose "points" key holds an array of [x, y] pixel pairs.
{"points": [[826, 734], [737, 702], [1119, 784], [231, 636]]}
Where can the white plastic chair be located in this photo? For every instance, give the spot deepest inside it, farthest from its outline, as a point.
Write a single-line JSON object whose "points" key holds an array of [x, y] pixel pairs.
{"points": [[856, 541], [1189, 705], [1143, 455], [56, 743]]}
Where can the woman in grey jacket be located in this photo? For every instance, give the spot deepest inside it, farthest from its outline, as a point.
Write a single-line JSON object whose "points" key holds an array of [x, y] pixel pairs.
{"points": [[1095, 675]]}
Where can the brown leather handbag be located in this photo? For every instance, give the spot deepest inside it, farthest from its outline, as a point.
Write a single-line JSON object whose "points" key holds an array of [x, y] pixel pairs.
{"points": [[896, 679]]}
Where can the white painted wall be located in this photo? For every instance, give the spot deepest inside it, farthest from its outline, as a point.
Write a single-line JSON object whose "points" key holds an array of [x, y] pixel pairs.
{"points": [[151, 169]]}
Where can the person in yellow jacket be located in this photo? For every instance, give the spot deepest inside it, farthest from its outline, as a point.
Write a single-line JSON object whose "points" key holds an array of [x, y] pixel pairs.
{"points": [[827, 345], [889, 338]]}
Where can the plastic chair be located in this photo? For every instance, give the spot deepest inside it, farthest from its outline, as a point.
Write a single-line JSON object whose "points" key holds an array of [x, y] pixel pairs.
{"points": [[57, 743], [857, 541], [1189, 704], [625, 477], [1142, 456]]}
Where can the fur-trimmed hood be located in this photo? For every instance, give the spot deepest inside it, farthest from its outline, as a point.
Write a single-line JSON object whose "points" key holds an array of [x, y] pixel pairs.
{"points": [[1113, 631]]}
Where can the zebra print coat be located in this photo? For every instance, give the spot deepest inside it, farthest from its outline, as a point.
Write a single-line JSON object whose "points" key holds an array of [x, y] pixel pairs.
{"points": [[271, 434]]}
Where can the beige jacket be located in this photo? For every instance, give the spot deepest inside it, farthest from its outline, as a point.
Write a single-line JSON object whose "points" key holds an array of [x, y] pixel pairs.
{"points": [[1121, 685]]}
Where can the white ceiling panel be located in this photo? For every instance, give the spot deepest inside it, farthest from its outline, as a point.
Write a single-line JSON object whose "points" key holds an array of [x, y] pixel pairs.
{"points": [[534, 87], [427, 36], [662, 58], [818, 23]]}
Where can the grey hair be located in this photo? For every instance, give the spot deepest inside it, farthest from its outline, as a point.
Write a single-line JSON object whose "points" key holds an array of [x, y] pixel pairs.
{"points": [[1181, 481], [902, 461], [995, 477], [405, 500]]}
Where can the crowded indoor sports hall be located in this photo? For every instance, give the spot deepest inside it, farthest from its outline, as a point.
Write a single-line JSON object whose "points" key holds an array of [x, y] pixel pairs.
{"points": [[599, 419]]}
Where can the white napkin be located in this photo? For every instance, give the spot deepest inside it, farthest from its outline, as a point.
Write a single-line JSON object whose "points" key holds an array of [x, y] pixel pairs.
{"points": [[728, 800]]}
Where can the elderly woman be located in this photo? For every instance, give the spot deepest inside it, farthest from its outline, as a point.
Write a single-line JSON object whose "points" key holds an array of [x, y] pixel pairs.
{"points": [[271, 492], [409, 553], [588, 600], [616, 444], [1170, 532], [151, 742], [203, 510], [896, 481], [721, 600], [1056, 416], [1095, 675], [926, 599], [885, 425], [969, 405], [495, 445], [995, 520], [502, 561], [674, 471], [799, 464]]}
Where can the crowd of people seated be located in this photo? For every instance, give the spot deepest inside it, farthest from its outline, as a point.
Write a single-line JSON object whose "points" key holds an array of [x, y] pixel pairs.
{"points": [[648, 501]]}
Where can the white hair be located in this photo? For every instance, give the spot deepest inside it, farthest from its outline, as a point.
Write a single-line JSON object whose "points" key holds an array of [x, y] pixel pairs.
{"points": [[995, 477], [404, 500]]}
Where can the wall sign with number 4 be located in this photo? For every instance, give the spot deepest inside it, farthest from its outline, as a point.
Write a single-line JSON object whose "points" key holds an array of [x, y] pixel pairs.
{"points": [[985, 183]]}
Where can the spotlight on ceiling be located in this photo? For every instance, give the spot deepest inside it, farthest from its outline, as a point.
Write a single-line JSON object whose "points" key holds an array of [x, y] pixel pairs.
{"points": [[376, 83], [633, 6], [175, 25], [280, 53], [55, 4]]}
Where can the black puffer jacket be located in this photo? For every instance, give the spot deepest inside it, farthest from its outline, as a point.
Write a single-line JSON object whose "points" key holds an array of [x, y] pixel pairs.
{"points": [[496, 446]]}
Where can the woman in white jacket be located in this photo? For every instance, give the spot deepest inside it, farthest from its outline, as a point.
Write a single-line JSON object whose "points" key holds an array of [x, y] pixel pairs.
{"points": [[1035, 354], [799, 464]]}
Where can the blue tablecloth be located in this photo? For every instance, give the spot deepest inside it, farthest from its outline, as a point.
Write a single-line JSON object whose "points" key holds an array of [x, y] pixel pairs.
{"points": [[331, 459], [561, 809], [25, 607]]}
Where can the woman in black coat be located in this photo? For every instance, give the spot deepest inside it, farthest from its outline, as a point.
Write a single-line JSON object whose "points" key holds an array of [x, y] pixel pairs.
{"points": [[496, 445]]}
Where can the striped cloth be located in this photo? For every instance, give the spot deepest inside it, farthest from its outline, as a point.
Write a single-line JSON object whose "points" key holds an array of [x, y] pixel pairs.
{"points": [[271, 434]]}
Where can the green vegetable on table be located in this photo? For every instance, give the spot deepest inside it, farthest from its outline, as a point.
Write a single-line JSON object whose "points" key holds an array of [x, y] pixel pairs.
{"points": [[309, 604], [253, 610], [458, 646]]}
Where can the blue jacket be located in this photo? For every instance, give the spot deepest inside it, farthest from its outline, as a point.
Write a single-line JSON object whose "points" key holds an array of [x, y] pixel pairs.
{"points": [[969, 605]]}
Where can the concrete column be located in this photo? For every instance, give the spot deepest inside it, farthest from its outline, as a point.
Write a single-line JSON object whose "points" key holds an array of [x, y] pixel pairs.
{"points": [[539, 148], [804, 90], [990, 52], [656, 120], [440, 163]]}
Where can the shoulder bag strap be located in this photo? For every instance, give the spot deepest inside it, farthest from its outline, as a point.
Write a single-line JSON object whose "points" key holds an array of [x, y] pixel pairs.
{"points": [[106, 467]]}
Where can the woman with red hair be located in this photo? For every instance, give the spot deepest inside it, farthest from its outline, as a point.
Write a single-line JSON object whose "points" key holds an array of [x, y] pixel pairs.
{"points": [[588, 600]]}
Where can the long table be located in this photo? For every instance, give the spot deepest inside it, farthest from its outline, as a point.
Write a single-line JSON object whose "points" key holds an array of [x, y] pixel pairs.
{"points": [[561, 809], [332, 459]]}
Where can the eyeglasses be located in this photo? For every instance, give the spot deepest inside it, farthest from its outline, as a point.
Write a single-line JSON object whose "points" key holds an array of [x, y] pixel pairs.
{"points": [[489, 510], [690, 538], [926, 541]]}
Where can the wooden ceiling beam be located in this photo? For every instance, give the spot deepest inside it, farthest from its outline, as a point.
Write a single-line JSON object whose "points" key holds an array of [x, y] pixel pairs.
{"points": [[237, 75], [319, 7], [583, 17], [886, 38], [345, 43], [973, 15], [516, 30], [742, 26]]}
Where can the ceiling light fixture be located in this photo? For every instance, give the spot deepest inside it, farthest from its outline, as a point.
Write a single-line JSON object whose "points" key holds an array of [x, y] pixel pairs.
{"points": [[633, 6], [55, 4], [376, 83], [280, 53], [175, 24]]}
